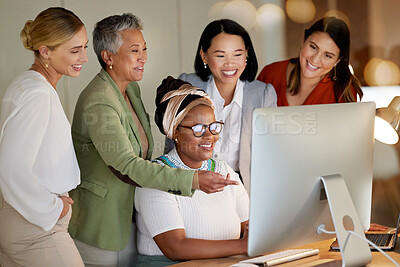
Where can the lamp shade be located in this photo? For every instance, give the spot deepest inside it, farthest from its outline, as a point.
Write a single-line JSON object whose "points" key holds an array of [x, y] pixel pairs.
{"points": [[387, 122]]}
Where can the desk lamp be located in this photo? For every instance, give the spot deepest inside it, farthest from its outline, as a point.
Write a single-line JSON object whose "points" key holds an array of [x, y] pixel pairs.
{"points": [[387, 122]]}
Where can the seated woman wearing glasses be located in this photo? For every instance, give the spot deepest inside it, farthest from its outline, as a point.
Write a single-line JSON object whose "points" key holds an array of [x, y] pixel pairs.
{"points": [[206, 225]]}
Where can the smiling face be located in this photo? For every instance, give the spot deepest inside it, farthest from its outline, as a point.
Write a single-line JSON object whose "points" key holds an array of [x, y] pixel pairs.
{"points": [[69, 57], [128, 63], [194, 150], [226, 58], [318, 56]]}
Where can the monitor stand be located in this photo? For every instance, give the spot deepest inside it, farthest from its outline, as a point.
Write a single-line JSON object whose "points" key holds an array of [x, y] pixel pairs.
{"points": [[354, 251]]}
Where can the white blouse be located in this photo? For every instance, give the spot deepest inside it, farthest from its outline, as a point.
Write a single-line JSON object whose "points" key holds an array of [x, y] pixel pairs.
{"points": [[215, 216], [37, 158], [227, 147]]}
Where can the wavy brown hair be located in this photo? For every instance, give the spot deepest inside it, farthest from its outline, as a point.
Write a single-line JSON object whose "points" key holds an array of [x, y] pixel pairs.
{"points": [[345, 80]]}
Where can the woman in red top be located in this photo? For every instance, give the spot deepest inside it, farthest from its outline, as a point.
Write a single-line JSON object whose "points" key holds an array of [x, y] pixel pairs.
{"points": [[321, 74]]}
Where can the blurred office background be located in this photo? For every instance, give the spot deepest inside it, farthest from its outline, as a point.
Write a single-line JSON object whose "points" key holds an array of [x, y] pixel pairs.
{"points": [[172, 29]]}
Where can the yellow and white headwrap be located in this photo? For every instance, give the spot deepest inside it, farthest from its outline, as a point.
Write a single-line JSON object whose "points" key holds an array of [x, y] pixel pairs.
{"points": [[172, 118]]}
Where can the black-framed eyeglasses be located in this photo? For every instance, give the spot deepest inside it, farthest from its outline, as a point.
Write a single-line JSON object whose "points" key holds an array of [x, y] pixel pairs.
{"points": [[200, 129]]}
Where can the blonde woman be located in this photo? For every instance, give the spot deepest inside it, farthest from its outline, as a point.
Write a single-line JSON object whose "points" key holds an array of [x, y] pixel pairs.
{"points": [[37, 160]]}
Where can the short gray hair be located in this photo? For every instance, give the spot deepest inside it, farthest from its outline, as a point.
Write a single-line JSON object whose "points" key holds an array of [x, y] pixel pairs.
{"points": [[107, 33]]}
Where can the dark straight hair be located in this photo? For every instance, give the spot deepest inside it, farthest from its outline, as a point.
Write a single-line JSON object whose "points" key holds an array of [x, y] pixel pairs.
{"points": [[340, 34], [230, 27]]}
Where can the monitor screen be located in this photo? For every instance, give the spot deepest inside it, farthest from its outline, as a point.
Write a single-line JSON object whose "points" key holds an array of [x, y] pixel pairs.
{"points": [[292, 147]]}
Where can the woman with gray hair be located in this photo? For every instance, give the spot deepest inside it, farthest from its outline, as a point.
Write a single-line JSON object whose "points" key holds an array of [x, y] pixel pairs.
{"points": [[113, 143]]}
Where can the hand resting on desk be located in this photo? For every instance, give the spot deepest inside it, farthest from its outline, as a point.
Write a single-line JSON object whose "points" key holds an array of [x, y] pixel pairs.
{"points": [[176, 246], [377, 227]]}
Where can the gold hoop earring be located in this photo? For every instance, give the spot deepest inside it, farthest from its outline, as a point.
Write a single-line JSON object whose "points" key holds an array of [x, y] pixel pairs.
{"points": [[334, 74], [46, 62]]}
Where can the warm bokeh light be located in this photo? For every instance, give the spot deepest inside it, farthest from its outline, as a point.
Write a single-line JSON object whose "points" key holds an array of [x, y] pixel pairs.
{"points": [[243, 12], [384, 132], [269, 15], [369, 71], [338, 14], [380, 72], [300, 11], [387, 73], [216, 10]]}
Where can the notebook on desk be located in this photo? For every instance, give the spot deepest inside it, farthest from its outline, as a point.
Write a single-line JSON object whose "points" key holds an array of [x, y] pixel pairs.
{"points": [[385, 241]]}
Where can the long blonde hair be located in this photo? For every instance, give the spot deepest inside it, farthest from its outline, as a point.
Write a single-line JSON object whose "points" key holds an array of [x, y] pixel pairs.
{"points": [[52, 27]]}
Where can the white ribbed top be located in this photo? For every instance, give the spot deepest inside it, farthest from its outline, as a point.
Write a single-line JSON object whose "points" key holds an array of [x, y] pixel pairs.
{"points": [[204, 216]]}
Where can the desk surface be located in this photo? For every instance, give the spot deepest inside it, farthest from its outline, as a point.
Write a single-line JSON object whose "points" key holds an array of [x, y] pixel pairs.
{"points": [[324, 258]]}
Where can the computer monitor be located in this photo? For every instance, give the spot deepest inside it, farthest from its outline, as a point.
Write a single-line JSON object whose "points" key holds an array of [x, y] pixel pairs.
{"points": [[292, 147]]}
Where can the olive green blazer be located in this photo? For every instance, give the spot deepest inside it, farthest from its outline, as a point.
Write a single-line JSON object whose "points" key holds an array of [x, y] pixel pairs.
{"points": [[107, 145]]}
